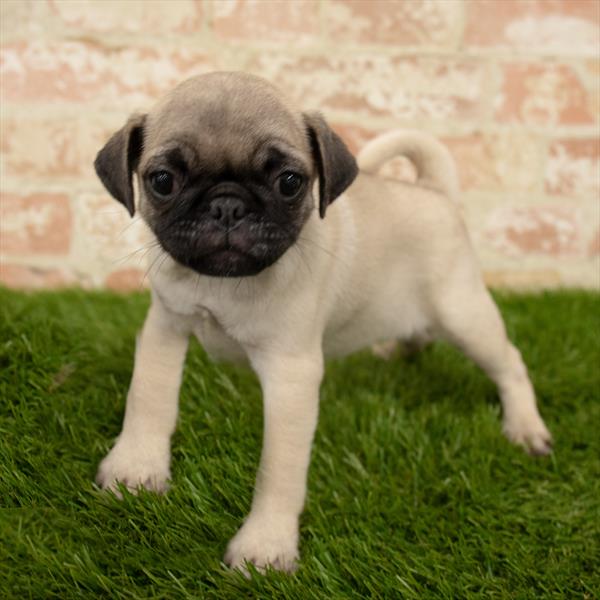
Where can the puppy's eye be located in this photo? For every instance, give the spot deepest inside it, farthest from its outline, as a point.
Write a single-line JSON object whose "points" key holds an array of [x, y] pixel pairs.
{"points": [[162, 182], [289, 184]]}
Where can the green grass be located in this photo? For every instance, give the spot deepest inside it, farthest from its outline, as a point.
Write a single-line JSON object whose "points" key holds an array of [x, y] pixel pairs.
{"points": [[413, 491]]}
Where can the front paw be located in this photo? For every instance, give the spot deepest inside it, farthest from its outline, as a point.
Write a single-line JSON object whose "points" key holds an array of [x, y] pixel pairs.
{"points": [[135, 464], [530, 432], [265, 542]]}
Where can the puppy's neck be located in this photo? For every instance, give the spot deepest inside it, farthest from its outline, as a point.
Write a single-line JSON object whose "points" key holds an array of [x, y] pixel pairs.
{"points": [[186, 292]]}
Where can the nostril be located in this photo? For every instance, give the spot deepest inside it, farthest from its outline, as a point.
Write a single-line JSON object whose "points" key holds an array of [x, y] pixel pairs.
{"points": [[238, 212], [216, 211]]}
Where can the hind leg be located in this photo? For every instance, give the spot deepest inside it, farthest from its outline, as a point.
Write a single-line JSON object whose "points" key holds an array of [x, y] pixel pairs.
{"points": [[468, 318]]}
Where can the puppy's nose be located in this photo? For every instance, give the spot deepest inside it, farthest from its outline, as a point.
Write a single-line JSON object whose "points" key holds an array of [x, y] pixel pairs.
{"points": [[227, 211]]}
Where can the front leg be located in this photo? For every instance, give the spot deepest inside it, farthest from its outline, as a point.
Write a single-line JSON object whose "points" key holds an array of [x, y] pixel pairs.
{"points": [[269, 535], [141, 455]]}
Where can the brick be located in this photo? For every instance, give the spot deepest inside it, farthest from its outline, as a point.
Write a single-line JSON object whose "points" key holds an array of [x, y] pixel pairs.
{"points": [[107, 238], [374, 84], [127, 280], [74, 71], [30, 277], [593, 248], [394, 22], [509, 160], [266, 20], [39, 147], [354, 136], [543, 94], [35, 224], [592, 67], [573, 168], [534, 230], [26, 18], [132, 16], [399, 168], [540, 26]]}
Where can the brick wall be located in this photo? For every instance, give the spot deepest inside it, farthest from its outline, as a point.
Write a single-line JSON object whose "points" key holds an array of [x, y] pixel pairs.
{"points": [[512, 86]]}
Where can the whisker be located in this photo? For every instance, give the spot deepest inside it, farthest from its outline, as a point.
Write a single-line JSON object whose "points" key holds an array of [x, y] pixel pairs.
{"points": [[145, 249], [133, 221], [298, 249], [320, 247], [147, 273], [165, 256]]}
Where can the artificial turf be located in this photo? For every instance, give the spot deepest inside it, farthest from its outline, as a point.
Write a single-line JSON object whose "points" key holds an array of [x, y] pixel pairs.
{"points": [[413, 491]]}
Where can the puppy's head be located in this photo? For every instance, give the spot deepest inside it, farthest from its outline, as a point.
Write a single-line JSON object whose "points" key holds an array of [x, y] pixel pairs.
{"points": [[225, 170]]}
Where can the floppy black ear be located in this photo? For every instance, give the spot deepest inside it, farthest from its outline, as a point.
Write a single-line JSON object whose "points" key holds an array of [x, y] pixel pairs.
{"points": [[336, 166], [119, 158]]}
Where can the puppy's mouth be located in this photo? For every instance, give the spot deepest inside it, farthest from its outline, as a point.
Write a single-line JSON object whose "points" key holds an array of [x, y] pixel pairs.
{"points": [[240, 252], [227, 256]]}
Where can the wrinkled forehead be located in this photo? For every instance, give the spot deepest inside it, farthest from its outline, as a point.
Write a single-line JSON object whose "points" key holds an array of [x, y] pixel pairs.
{"points": [[226, 127]]}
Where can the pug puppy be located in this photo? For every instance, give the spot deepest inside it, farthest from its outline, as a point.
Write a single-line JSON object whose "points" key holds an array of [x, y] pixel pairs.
{"points": [[272, 247]]}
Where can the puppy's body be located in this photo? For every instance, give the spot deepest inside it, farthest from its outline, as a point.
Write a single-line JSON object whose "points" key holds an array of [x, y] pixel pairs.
{"points": [[359, 276], [389, 260]]}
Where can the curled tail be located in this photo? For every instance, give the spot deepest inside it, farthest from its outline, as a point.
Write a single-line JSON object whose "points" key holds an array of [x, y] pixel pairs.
{"points": [[432, 160]]}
